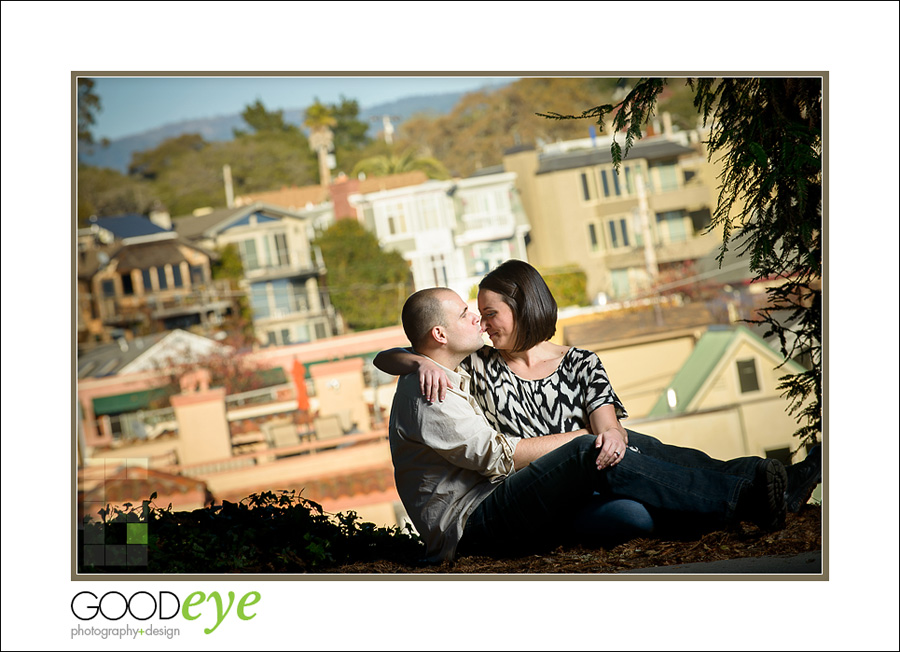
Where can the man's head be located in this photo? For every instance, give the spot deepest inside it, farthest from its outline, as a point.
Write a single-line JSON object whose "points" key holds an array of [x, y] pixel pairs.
{"points": [[438, 320]]}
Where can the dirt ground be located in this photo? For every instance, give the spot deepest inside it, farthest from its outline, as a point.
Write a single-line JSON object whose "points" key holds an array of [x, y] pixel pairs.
{"points": [[803, 533]]}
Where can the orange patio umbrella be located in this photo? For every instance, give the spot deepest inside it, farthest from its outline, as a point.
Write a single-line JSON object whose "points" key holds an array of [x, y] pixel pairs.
{"points": [[299, 375]]}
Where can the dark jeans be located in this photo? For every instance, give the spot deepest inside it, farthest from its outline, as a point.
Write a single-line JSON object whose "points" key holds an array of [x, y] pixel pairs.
{"points": [[536, 507]]}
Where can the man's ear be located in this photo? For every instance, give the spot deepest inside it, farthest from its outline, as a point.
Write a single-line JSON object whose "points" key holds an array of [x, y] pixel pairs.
{"points": [[439, 334]]}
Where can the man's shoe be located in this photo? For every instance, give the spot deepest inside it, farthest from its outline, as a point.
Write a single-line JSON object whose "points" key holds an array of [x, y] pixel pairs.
{"points": [[764, 500], [802, 479]]}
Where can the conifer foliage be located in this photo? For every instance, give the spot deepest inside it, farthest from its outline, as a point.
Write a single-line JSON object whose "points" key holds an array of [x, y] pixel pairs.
{"points": [[767, 132]]}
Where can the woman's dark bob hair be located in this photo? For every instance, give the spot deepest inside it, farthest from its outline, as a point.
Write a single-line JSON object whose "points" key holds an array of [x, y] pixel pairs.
{"points": [[525, 292]]}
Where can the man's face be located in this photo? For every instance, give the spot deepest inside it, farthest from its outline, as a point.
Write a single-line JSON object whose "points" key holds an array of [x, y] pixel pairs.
{"points": [[463, 325]]}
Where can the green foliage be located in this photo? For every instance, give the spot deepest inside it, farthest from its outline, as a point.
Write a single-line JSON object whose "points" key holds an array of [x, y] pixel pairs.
{"points": [[269, 532], [767, 134], [104, 192], [366, 284], [568, 285], [406, 161], [350, 133], [485, 124], [261, 120], [88, 107], [150, 164]]}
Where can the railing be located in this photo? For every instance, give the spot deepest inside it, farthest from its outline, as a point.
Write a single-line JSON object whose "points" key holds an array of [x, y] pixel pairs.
{"points": [[268, 455], [258, 396]]}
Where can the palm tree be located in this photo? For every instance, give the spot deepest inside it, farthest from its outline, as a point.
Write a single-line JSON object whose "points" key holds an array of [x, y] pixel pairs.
{"points": [[320, 120], [407, 161]]}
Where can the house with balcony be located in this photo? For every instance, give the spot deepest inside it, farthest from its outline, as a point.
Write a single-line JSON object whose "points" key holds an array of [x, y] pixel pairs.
{"points": [[137, 277], [450, 232], [629, 228], [282, 272]]}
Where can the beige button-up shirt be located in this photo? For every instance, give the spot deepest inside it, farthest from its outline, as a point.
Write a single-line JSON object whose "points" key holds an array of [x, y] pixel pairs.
{"points": [[447, 459]]}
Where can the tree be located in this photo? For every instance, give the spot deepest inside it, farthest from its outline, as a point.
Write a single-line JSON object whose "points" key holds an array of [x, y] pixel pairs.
{"points": [[407, 161], [103, 192], [151, 163], [262, 120], [351, 139], [568, 285], [767, 133], [366, 285], [320, 120], [229, 266], [88, 107]]}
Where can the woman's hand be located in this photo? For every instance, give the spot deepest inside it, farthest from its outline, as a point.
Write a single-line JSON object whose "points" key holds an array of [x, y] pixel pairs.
{"points": [[612, 446], [612, 440], [433, 381]]}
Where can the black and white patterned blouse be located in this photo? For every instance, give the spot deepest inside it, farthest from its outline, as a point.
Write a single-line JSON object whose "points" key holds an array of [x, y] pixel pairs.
{"points": [[561, 402]]}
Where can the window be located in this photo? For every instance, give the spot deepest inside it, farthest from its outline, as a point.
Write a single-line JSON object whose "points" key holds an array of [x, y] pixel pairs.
{"points": [[198, 277], [320, 331], [618, 233], [396, 218], [672, 224], [285, 336], [259, 300], [666, 176], [248, 254], [161, 278], [127, 285], [632, 172], [300, 300], [301, 333], [282, 297], [148, 282], [281, 249], [176, 276], [439, 270], [587, 186], [592, 235], [620, 282], [108, 288], [747, 376]]}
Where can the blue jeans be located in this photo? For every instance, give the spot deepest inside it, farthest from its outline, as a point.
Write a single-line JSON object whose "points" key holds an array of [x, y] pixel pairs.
{"points": [[537, 506]]}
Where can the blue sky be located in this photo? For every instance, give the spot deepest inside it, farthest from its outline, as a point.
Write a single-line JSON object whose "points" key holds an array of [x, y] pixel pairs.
{"points": [[131, 105]]}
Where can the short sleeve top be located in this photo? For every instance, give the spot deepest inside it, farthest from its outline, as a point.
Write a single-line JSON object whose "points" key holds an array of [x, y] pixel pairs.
{"points": [[561, 402]]}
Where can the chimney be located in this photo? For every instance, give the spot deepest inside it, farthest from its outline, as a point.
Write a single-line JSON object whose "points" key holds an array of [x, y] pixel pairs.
{"points": [[161, 218], [340, 197], [667, 123]]}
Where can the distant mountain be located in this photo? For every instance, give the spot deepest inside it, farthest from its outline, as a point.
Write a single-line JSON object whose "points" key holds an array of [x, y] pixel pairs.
{"points": [[117, 155]]}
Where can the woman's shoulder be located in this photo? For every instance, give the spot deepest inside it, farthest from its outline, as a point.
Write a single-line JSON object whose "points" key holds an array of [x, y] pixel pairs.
{"points": [[580, 360]]}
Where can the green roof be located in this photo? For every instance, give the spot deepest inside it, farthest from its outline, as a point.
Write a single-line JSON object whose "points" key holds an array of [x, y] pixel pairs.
{"points": [[130, 402], [709, 350], [687, 382]]}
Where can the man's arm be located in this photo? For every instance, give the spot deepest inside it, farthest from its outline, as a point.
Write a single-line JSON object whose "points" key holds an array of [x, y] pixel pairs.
{"points": [[433, 382], [531, 448]]}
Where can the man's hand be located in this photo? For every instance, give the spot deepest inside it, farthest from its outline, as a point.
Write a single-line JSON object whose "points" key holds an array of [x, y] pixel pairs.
{"points": [[433, 382], [612, 446]]}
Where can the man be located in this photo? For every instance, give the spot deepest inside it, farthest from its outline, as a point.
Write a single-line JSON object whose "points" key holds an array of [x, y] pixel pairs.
{"points": [[464, 484]]}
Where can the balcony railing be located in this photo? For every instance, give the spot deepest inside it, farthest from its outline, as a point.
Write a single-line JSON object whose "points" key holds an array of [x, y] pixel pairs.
{"points": [[216, 294]]}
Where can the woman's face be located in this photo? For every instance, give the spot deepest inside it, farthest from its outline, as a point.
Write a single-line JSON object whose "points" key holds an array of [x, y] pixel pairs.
{"points": [[497, 319]]}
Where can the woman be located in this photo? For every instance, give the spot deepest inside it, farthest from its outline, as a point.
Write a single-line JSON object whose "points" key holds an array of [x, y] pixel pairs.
{"points": [[528, 386]]}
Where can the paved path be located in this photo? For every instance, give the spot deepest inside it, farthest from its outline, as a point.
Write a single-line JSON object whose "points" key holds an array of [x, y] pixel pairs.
{"points": [[806, 563]]}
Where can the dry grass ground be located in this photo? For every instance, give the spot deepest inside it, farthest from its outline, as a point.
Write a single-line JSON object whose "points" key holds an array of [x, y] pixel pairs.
{"points": [[802, 533]]}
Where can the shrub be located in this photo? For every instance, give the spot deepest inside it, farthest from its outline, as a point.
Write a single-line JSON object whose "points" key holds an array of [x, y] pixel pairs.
{"points": [[267, 532]]}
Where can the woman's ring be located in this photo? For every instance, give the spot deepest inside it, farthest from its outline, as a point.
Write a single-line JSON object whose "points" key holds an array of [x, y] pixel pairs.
{"points": [[616, 453]]}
